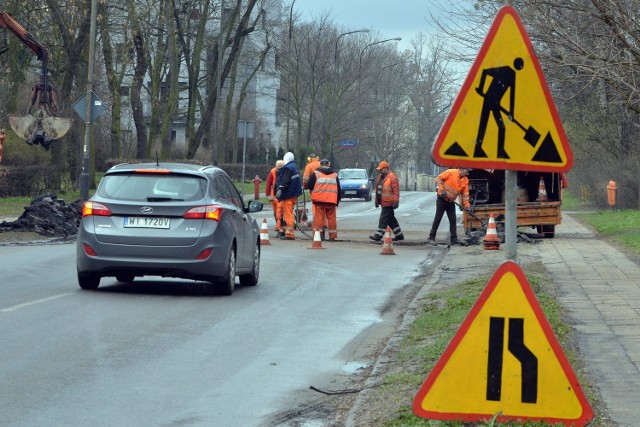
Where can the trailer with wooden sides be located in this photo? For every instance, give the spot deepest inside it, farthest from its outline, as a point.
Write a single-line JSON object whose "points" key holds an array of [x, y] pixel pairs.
{"points": [[539, 200]]}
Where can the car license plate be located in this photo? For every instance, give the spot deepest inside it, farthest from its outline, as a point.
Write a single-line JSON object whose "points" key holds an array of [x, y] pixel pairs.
{"points": [[350, 192], [146, 222]]}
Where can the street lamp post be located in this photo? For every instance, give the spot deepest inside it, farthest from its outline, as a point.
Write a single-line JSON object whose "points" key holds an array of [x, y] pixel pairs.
{"points": [[289, 71], [216, 144], [245, 128], [336, 53], [336, 62], [372, 44]]}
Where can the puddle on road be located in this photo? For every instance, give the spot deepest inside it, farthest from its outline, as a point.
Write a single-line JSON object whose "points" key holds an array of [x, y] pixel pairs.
{"points": [[354, 367]]}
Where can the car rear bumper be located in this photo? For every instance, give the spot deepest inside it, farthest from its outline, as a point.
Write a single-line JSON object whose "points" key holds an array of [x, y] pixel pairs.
{"points": [[170, 261]]}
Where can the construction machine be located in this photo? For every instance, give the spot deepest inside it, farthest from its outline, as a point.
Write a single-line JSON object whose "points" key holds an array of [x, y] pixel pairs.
{"points": [[41, 125]]}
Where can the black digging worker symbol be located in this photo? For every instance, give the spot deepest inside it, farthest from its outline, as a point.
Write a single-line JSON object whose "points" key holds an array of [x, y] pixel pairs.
{"points": [[503, 79]]}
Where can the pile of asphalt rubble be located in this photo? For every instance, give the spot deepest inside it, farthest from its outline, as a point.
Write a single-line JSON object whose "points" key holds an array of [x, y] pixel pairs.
{"points": [[49, 216]]}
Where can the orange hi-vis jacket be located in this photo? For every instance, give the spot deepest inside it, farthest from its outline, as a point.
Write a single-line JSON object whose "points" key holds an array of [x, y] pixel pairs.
{"points": [[308, 170], [390, 193], [325, 189], [270, 188], [453, 185]]}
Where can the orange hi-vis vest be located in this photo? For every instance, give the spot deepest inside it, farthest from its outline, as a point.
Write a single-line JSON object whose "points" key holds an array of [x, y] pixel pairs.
{"points": [[454, 185], [390, 192], [326, 188]]}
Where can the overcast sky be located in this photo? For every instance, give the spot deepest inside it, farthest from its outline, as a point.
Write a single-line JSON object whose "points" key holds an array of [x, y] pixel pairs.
{"points": [[391, 18]]}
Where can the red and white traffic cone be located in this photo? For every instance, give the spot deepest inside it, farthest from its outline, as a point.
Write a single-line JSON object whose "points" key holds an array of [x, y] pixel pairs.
{"points": [[491, 239], [542, 192], [317, 241], [264, 234], [387, 243]]}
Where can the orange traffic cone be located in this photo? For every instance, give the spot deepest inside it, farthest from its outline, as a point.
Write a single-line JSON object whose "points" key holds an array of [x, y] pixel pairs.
{"points": [[317, 242], [542, 192], [387, 243], [491, 240], [264, 234]]}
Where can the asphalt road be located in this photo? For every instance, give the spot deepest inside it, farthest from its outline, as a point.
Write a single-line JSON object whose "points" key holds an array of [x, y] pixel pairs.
{"points": [[161, 352]]}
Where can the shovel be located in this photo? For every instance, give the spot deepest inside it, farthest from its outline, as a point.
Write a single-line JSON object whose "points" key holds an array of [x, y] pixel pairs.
{"points": [[468, 211], [530, 134]]}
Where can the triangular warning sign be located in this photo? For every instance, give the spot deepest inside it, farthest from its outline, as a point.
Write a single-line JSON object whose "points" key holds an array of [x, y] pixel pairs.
{"points": [[504, 360], [504, 116]]}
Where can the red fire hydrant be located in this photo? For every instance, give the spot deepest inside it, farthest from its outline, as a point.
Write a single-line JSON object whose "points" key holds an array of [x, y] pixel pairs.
{"points": [[612, 189], [256, 187]]}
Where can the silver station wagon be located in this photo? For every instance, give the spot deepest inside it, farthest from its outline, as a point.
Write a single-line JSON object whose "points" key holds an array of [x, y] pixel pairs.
{"points": [[170, 220]]}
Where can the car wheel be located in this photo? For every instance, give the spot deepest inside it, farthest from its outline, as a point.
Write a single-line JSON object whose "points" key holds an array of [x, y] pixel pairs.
{"points": [[88, 280], [367, 198], [125, 278], [251, 279], [228, 283]]}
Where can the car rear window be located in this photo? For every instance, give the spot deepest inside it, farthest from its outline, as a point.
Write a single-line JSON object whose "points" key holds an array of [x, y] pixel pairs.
{"points": [[353, 174], [151, 187]]}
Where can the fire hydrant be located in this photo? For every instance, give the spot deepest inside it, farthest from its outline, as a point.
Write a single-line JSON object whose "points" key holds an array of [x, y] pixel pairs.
{"points": [[612, 189], [256, 187]]}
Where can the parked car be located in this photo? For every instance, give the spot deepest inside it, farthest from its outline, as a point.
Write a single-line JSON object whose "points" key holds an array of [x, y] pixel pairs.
{"points": [[170, 220], [355, 184]]}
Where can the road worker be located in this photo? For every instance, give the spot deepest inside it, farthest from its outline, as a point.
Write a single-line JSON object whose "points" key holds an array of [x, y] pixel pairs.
{"points": [[313, 163], [388, 198], [324, 186], [288, 188], [270, 190], [452, 184]]}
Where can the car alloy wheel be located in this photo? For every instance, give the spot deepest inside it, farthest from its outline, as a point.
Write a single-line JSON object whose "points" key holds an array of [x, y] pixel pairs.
{"points": [[228, 283]]}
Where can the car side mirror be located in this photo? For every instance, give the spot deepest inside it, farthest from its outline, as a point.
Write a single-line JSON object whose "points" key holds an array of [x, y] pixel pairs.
{"points": [[254, 206]]}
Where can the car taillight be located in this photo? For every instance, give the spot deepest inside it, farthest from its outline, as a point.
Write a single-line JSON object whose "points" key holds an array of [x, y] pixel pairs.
{"points": [[96, 209], [213, 212]]}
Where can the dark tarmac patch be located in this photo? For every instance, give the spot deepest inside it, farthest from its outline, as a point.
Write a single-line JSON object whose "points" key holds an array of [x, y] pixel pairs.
{"points": [[46, 216]]}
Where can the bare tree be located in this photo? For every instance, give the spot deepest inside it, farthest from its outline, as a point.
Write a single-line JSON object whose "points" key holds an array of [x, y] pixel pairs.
{"points": [[590, 54]]}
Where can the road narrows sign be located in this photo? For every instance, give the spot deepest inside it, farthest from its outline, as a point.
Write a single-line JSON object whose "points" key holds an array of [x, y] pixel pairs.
{"points": [[504, 116], [504, 359]]}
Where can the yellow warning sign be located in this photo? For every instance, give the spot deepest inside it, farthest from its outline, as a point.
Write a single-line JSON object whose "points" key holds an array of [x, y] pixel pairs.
{"points": [[504, 116], [504, 360]]}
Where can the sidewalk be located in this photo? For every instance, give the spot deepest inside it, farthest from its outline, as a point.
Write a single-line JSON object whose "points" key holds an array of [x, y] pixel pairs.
{"points": [[600, 289]]}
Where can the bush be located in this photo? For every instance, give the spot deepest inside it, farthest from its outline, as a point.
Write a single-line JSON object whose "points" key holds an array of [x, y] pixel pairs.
{"points": [[24, 181]]}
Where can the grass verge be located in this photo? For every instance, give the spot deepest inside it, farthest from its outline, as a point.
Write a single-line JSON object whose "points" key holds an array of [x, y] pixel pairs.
{"points": [[14, 206], [439, 316]]}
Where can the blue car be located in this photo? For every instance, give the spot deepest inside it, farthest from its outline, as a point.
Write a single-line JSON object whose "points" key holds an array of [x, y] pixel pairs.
{"points": [[355, 184]]}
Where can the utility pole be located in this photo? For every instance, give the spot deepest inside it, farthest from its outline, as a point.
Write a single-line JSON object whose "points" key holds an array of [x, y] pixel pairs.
{"points": [[289, 71], [216, 144], [336, 64], [85, 175]]}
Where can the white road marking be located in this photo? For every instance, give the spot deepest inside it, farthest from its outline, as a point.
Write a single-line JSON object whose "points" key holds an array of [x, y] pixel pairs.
{"points": [[38, 301]]}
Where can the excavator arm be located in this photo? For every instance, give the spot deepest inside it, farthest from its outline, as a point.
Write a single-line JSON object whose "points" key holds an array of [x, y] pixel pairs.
{"points": [[41, 125]]}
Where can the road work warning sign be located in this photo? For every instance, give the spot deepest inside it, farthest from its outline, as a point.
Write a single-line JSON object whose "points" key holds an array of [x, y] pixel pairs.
{"points": [[504, 116], [505, 360]]}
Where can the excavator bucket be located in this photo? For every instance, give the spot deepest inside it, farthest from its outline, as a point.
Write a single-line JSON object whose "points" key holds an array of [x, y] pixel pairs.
{"points": [[40, 128]]}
